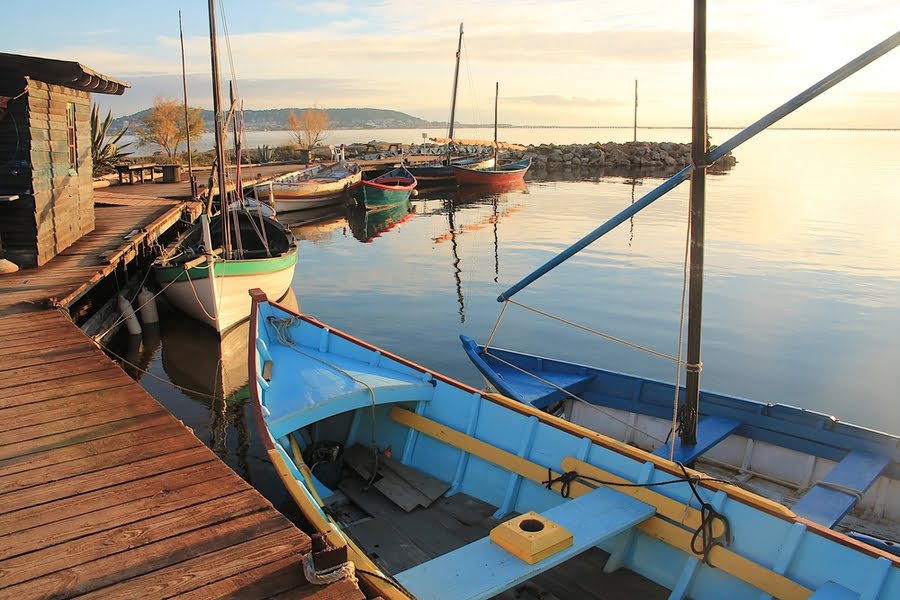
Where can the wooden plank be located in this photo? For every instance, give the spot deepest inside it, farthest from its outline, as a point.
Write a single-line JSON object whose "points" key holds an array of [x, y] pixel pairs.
{"points": [[283, 574], [152, 543], [61, 531], [60, 409], [52, 372], [191, 574], [32, 438], [92, 380], [88, 482], [70, 352], [99, 446], [160, 482], [710, 431], [47, 474], [855, 473], [389, 483], [483, 569]]}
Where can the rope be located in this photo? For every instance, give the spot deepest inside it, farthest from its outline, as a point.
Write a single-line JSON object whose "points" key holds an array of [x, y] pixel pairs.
{"points": [[496, 325], [684, 283], [326, 576], [598, 333], [212, 273], [574, 397], [708, 514], [157, 377], [841, 488]]}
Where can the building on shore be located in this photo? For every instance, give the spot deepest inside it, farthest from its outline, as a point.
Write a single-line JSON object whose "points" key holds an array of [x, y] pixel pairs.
{"points": [[46, 192]]}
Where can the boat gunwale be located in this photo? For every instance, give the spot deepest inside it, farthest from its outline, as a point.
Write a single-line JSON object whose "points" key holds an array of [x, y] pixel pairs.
{"points": [[743, 496]]}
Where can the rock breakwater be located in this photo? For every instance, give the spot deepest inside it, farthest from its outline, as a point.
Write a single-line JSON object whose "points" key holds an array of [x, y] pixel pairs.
{"points": [[612, 156]]}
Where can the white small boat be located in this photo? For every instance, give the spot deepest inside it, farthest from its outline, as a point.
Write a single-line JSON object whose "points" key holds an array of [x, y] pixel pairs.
{"points": [[212, 288], [315, 187]]}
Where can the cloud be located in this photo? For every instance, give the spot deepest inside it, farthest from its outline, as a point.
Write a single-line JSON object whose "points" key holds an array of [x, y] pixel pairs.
{"points": [[561, 101]]}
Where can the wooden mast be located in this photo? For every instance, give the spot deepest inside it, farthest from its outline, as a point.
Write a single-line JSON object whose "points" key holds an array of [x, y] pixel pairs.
{"points": [[220, 126], [496, 100], [699, 149], [455, 84], [187, 125]]}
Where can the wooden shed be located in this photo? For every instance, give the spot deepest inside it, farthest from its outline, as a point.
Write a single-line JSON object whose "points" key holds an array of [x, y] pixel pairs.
{"points": [[46, 192]]}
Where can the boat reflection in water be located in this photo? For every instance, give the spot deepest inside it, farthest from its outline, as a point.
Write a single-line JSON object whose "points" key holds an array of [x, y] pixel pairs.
{"points": [[212, 371], [367, 225], [473, 198]]}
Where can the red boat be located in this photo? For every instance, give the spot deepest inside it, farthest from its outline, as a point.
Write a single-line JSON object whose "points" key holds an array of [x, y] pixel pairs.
{"points": [[502, 174]]}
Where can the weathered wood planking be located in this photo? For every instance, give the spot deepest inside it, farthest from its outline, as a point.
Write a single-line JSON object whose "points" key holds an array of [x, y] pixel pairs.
{"points": [[103, 493], [87, 261]]}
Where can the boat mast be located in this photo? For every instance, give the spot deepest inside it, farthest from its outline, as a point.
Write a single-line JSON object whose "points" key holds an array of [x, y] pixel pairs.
{"points": [[187, 126], [496, 100], [219, 124], [699, 149], [455, 83]]}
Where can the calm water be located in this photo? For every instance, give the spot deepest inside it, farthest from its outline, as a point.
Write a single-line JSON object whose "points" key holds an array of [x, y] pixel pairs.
{"points": [[801, 288]]}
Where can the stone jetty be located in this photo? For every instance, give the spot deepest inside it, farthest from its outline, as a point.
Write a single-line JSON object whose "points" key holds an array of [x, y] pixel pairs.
{"points": [[612, 156], [629, 158]]}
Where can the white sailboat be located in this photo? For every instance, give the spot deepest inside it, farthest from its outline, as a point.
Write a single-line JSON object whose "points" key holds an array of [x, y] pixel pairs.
{"points": [[207, 272]]}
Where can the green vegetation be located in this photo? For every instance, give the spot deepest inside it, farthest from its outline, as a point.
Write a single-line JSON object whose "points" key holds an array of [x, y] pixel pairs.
{"points": [[105, 154]]}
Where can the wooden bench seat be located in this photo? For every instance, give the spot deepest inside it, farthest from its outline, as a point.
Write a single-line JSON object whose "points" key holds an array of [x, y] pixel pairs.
{"points": [[483, 569], [829, 500], [710, 431]]}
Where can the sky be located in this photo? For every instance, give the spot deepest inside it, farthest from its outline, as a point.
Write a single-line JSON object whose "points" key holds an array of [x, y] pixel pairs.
{"points": [[563, 63]]}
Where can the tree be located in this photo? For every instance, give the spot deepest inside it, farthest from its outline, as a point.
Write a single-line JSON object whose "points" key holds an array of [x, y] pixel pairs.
{"points": [[309, 128], [105, 154], [164, 125]]}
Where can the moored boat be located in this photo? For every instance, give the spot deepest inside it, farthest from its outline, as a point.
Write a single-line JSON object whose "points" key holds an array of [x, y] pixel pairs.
{"points": [[390, 188], [501, 174], [322, 185], [440, 173], [211, 286], [438, 490]]}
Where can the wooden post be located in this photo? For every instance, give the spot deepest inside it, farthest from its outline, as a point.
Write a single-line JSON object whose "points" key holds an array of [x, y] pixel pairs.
{"points": [[699, 145], [635, 109]]}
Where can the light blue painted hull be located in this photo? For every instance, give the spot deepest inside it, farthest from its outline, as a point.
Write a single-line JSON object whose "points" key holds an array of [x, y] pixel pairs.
{"points": [[313, 383], [806, 432]]}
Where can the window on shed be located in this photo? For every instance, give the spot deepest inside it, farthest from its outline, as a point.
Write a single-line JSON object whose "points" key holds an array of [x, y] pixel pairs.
{"points": [[73, 148]]}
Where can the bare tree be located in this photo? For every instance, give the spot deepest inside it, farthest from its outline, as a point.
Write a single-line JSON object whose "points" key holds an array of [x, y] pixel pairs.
{"points": [[164, 125], [309, 128]]}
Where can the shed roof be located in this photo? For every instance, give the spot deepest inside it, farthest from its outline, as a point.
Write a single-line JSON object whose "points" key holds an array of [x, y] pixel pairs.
{"points": [[62, 72]]}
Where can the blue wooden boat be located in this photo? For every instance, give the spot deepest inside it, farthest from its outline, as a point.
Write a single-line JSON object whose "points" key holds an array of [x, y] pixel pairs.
{"points": [[438, 490], [393, 187], [820, 466]]}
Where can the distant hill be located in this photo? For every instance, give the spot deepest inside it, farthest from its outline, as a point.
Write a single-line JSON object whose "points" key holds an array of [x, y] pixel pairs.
{"points": [[338, 118]]}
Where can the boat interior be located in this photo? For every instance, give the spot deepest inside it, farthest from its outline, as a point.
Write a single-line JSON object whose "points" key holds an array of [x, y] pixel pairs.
{"points": [[253, 242]]}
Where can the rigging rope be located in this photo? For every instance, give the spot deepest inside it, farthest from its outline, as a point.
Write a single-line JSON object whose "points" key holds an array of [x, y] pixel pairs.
{"points": [[574, 396], [684, 283], [595, 332]]}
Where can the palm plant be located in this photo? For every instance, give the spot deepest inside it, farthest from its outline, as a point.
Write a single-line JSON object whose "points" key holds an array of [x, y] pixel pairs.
{"points": [[105, 154]]}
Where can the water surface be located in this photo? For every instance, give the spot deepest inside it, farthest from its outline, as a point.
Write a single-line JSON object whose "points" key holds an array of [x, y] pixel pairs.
{"points": [[801, 288]]}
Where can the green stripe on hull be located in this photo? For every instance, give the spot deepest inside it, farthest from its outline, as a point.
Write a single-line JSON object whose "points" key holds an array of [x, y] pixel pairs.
{"points": [[225, 268]]}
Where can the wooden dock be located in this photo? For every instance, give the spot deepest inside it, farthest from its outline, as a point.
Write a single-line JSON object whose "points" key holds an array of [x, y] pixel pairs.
{"points": [[103, 493]]}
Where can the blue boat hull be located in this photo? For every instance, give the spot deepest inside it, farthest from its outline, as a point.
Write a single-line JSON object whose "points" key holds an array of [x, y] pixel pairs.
{"points": [[311, 384], [807, 436]]}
